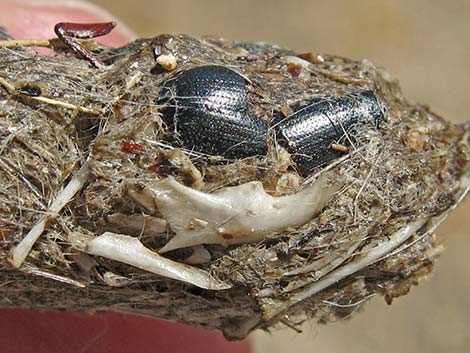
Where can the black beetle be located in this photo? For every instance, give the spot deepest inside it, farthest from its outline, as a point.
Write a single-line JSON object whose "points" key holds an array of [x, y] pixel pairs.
{"points": [[309, 132], [206, 108]]}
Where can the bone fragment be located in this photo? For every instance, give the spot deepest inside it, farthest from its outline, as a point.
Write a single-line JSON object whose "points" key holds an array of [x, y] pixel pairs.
{"points": [[131, 251], [21, 251], [233, 215]]}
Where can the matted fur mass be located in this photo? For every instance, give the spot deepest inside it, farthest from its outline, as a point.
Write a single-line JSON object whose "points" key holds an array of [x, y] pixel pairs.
{"points": [[375, 234]]}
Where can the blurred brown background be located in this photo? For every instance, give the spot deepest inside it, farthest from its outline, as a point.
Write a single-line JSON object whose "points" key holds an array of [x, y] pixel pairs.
{"points": [[426, 45]]}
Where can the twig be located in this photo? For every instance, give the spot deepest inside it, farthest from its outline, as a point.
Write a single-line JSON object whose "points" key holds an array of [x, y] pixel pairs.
{"points": [[25, 43], [13, 90], [67, 105], [8, 86]]}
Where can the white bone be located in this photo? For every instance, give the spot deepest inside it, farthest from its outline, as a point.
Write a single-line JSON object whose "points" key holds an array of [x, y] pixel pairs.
{"points": [[131, 251], [199, 256], [233, 215], [383, 250], [135, 224], [21, 251]]}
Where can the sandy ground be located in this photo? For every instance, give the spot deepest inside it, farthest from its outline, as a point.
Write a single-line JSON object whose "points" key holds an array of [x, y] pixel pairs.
{"points": [[422, 43]]}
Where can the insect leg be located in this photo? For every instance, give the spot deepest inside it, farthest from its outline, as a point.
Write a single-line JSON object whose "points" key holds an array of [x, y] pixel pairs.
{"points": [[71, 33]]}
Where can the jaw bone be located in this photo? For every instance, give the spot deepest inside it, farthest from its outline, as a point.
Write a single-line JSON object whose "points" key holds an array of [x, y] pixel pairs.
{"points": [[131, 251], [232, 215]]}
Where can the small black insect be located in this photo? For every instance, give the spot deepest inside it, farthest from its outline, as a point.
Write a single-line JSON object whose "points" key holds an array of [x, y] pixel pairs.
{"points": [[206, 108], [309, 132], [30, 90]]}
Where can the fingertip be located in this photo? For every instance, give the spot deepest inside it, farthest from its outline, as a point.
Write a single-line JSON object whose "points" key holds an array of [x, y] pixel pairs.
{"points": [[28, 331], [36, 19]]}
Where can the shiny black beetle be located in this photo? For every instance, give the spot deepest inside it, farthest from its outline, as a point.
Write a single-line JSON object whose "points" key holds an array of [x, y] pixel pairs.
{"points": [[315, 125], [206, 108]]}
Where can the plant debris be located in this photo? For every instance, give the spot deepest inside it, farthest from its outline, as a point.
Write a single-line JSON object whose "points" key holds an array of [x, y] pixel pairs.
{"points": [[92, 176]]}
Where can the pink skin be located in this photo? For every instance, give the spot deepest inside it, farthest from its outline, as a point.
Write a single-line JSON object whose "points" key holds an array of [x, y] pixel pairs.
{"points": [[29, 331], [26, 19]]}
